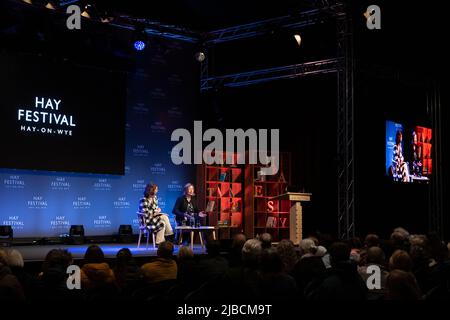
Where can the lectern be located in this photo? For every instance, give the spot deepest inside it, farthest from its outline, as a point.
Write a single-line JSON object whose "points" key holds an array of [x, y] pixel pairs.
{"points": [[295, 213]]}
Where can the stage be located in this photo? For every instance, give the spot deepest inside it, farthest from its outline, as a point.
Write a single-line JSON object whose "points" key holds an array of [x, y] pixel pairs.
{"points": [[35, 253]]}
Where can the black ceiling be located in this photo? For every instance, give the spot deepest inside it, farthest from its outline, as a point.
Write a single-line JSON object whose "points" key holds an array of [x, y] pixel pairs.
{"points": [[412, 36], [203, 15]]}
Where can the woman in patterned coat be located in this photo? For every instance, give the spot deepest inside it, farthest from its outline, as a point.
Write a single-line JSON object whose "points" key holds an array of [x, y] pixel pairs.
{"points": [[401, 170], [153, 218]]}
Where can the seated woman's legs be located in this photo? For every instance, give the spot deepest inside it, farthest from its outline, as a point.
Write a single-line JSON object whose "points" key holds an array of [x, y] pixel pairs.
{"points": [[165, 231], [168, 231]]}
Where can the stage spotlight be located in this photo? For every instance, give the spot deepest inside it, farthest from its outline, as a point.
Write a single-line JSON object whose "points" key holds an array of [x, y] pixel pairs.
{"points": [[140, 37], [367, 14], [76, 234], [51, 5], [139, 45], [200, 56], [106, 19], [28, 1], [298, 39], [87, 11]]}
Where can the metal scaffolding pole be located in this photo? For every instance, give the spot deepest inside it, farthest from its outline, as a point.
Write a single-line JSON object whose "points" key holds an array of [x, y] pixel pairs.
{"points": [[436, 214], [264, 75], [249, 30], [345, 128]]}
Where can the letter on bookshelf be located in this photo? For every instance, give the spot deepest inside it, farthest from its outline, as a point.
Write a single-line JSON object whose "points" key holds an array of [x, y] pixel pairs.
{"points": [[258, 191], [270, 206], [271, 222]]}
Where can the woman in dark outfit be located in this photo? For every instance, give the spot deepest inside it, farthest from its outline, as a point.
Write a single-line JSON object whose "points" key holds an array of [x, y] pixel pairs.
{"points": [[186, 210]]}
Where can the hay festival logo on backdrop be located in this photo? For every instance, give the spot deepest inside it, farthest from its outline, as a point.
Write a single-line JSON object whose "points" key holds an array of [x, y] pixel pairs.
{"points": [[46, 118]]}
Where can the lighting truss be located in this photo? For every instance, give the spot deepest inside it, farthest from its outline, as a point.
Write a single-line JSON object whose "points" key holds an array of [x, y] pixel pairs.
{"points": [[258, 76], [342, 65]]}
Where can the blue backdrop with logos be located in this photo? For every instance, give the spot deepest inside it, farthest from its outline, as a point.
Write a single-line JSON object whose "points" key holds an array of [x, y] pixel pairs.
{"points": [[161, 94]]}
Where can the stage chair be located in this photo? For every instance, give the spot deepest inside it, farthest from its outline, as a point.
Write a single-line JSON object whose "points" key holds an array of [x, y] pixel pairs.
{"points": [[144, 230]]}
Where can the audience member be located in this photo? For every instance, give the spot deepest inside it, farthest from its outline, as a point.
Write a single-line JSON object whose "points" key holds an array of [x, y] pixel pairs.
{"points": [[163, 268], [401, 285], [10, 288]]}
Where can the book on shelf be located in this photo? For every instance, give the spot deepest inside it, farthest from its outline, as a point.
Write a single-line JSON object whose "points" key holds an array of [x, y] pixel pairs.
{"points": [[223, 223], [271, 222], [210, 206], [235, 206], [222, 176]]}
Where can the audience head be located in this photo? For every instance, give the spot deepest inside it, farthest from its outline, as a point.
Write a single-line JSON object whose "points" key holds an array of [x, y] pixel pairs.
{"points": [[371, 240], [124, 255], [402, 232], [3, 258], [400, 260], [339, 252], [185, 253], [57, 258], [271, 261], [321, 251], [418, 240], [313, 238], [213, 248], [399, 236], [251, 252], [418, 246], [238, 241], [94, 254], [15, 259], [307, 246], [286, 251], [375, 255], [401, 285], [165, 250], [266, 240]]}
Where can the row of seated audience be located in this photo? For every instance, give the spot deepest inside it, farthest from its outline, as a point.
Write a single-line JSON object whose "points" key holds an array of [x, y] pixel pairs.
{"points": [[412, 267]]}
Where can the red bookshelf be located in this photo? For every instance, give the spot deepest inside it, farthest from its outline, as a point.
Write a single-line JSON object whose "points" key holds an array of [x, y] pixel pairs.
{"points": [[424, 142], [262, 214], [222, 185]]}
